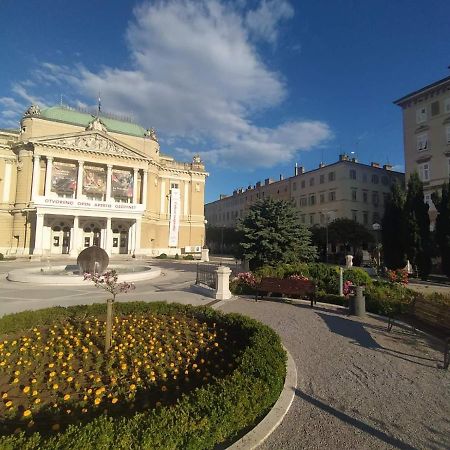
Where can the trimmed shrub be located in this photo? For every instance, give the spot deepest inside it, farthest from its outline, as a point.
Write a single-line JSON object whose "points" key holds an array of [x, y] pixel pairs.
{"points": [[211, 414], [2, 257], [188, 257], [358, 277], [162, 256]]}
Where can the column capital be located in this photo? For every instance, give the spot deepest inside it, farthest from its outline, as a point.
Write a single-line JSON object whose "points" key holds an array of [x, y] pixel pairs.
{"points": [[81, 163], [135, 169], [109, 166], [37, 157], [49, 158]]}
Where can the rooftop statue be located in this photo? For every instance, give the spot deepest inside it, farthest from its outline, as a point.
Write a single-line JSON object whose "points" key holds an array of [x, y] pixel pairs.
{"points": [[96, 125], [32, 111]]}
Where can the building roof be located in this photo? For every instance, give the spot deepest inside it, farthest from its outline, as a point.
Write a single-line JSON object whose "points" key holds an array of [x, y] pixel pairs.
{"points": [[420, 91], [75, 117]]}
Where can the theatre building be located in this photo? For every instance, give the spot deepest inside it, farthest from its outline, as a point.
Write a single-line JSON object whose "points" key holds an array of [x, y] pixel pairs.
{"points": [[70, 179]]}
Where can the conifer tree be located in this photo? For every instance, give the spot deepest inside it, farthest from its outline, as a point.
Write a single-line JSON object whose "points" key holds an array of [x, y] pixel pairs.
{"points": [[418, 243], [393, 229], [442, 229], [272, 234]]}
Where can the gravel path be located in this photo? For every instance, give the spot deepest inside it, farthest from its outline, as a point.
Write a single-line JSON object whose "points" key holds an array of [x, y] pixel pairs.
{"points": [[359, 387]]}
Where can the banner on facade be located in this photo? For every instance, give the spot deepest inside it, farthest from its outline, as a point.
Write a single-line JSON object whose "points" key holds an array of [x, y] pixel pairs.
{"points": [[122, 183], [94, 181], [64, 177], [174, 223]]}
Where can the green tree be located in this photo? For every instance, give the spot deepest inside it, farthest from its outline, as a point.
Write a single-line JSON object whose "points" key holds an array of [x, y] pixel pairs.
{"points": [[442, 229], [394, 229], [272, 234], [348, 232], [418, 242]]}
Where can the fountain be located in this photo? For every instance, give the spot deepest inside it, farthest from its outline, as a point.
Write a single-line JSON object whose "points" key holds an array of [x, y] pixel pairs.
{"points": [[90, 260]]}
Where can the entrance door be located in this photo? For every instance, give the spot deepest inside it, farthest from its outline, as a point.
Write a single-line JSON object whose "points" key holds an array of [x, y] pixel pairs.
{"points": [[123, 242], [65, 240]]}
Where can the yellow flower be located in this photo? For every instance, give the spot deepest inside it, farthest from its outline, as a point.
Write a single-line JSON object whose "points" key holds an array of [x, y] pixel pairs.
{"points": [[34, 393], [26, 389], [37, 401], [69, 379], [51, 365], [55, 386], [132, 387], [84, 410], [114, 400], [4, 395], [97, 401], [34, 380], [16, 380], [17, 373], [89, 391], [8, 404], [30, 424], [26, 413], [67, 397]]}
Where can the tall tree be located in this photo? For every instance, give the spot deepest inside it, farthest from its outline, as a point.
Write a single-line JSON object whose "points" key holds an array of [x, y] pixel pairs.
{"points": [[442, 229], [349, 232], [393, 229], [418, 243], [272, 234]]}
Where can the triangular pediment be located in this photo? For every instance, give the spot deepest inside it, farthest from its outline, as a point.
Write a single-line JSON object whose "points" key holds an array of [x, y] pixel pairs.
{"points": [[91, 141]]}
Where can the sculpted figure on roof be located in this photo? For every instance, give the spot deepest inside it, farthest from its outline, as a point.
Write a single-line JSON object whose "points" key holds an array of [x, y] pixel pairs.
{"points": [[151, 133], [33, 110], [97, 125]]}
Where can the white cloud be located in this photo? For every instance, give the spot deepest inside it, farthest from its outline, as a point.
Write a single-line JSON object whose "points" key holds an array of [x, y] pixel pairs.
{"points": [[195, 74]]}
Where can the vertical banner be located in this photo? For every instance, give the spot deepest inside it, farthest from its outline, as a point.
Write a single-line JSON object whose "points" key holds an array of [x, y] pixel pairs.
{"points": [[122, 183], [64, 177], [94, 180], [174, 223]]}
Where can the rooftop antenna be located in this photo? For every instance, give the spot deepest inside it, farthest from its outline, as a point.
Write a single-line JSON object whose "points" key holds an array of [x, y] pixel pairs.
{"points": [[61, 102]]}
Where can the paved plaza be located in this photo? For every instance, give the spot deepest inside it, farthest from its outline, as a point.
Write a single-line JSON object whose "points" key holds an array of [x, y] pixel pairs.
{"points": [[359, 387]]}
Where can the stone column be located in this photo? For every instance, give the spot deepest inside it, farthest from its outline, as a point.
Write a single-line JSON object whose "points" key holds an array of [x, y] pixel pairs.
{"points": [[223, 283], [108, 182], [80, 180], [186, 199], [137, 239], [36, 176], [38, 234], [108, 248], [163, 196], [144, 188], [48, 176], [131, 238], [135, 185], [75, 237]]}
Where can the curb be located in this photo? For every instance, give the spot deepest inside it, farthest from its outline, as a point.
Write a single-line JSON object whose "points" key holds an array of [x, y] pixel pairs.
{"points": [[275, 416]]}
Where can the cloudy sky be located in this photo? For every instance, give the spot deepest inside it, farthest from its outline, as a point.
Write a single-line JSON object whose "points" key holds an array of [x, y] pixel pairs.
{"points": [[254, 86]]}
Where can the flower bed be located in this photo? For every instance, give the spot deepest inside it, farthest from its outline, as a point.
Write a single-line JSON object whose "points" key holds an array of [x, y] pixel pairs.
{"points": [[175, 377]]}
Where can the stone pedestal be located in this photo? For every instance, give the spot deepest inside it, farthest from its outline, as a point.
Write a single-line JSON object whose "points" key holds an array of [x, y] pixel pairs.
{"points": [[205, 255], [223, 283]]}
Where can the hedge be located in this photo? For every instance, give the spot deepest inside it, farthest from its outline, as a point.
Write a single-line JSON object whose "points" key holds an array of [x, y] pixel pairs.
{"points": [[210, 415]]}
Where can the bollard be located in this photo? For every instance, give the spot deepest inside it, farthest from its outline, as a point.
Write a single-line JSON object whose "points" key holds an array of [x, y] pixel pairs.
{"points": [[359, 302]]}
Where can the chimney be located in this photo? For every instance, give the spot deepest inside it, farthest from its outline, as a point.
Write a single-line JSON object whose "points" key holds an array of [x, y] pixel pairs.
{"points": [[266, 181], [296, 170], [281, 177], [343, 157], [321, 165], [301, 169], [258, 184], [375, 164], [387, 167]]}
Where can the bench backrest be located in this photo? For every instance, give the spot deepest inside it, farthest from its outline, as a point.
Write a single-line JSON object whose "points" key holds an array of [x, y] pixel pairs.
{"points": [[436, 315], [287, 285]]}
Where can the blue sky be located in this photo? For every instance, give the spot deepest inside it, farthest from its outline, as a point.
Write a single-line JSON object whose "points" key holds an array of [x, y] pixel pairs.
{"points": [[254, 86]]}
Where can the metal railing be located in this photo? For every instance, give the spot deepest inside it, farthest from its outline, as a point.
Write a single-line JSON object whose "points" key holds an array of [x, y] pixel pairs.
{"points": [[206, 274]]}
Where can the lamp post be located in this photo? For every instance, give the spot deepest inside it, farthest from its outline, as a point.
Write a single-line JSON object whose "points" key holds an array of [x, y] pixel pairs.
{"points": [[376, 227], [327, 220]]}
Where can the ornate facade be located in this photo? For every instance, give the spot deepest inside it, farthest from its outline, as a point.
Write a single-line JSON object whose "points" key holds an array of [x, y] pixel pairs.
{"points": [[69, 180]]}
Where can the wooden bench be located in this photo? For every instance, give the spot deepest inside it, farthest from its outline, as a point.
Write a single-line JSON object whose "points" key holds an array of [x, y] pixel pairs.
{"points": [[431, 317], [286, 286]]}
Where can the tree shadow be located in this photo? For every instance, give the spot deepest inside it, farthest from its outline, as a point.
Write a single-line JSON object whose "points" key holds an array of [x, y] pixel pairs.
{"points": [[354, 331], [366, 428]]}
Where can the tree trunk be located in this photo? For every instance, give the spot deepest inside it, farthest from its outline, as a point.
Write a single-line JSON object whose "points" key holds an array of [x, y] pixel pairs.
{"points": [[109, 319]]}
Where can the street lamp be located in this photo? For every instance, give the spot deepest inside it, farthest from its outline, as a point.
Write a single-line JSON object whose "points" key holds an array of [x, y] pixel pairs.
{"points": [[376, 227]]}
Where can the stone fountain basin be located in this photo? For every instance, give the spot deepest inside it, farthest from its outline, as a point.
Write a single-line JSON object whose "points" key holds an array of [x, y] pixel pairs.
{"points": [[68, 275]]}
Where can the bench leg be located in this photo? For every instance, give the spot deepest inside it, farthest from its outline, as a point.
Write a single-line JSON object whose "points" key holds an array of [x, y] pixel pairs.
{"points": [[447, 353], [390, 324]]}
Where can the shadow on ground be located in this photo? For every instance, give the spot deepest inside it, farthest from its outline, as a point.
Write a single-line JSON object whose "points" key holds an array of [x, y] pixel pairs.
{"points": [[363, 426]]}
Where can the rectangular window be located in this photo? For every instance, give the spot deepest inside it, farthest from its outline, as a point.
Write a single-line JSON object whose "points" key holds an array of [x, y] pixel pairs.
{"points": [[311, 219], [385, 198], [447, 105], [312, 199], [354, 195], [375, 198], [365, 196], [303, 201], [365, 217], [376, 217], [421, 114], [332, 196], [435, 108], [424, 171], [322, 198], [322, 179], [294, 186], [352, 174], [355, 216], [375, 179], [364, 177], [422, 142], [303, 184], [447, 134], [331, 176], [311, 181]]}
